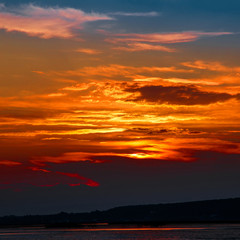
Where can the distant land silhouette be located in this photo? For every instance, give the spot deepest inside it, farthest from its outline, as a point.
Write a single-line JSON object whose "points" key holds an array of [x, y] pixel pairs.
{"points": [[209, 211]]}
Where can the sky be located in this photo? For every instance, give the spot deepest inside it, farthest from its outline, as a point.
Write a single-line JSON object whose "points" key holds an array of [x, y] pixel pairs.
{"points": [[110, 103]]}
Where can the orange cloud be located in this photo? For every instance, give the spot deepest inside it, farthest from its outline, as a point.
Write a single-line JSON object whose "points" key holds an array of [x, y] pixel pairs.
{"points": [[133, 47], [119, 71], [192, 81], [212, 66], [88, 51], [46, 22], [78, 87]]}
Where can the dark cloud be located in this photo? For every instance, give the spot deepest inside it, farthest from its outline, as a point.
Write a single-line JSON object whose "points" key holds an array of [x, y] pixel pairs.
{"points": [[156, 131], [237, 96], [180, 95], [29, 113]]}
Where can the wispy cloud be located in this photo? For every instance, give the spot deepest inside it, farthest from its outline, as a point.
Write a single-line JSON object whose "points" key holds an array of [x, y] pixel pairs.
{"points": [[46, 22], [42, 177], [115, 70], [134, 47], [9, 163], [164, 38], [88, 51], [211, 66], [136, 14]]}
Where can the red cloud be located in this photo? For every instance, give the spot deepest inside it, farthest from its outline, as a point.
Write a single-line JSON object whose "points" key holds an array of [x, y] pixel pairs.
{"points": [[9, 163], [86, 181], [39, 177]]}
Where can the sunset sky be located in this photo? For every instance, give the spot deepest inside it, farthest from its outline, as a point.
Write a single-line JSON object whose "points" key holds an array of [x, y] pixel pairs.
{"points": [[106, 103]]}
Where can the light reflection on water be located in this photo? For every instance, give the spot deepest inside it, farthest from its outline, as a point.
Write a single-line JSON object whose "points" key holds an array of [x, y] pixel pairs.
{"points": [[203, 232]]}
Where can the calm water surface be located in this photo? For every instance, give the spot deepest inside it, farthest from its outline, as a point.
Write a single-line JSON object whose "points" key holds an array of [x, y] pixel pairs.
{"points": [[187, 232]]}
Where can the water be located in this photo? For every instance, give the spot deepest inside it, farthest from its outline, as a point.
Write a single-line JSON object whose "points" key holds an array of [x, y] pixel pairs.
{"points": [[187, 232]]}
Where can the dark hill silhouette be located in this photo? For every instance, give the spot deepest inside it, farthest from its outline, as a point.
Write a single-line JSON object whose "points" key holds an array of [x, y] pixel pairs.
{"points": [[210, 211]]}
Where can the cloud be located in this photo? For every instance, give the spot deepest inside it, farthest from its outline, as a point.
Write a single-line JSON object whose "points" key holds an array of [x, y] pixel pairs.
{"points": [[164, 38], [136, 14], [122, 72], [166, 147], [39, 177], [133, 47], [238, 96], [9, 163], [88, 51], [28, 112], [78, 87], [83, 180], [52, 22], [65, 158], [192, 81], [212, 66], [179, 95]]}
